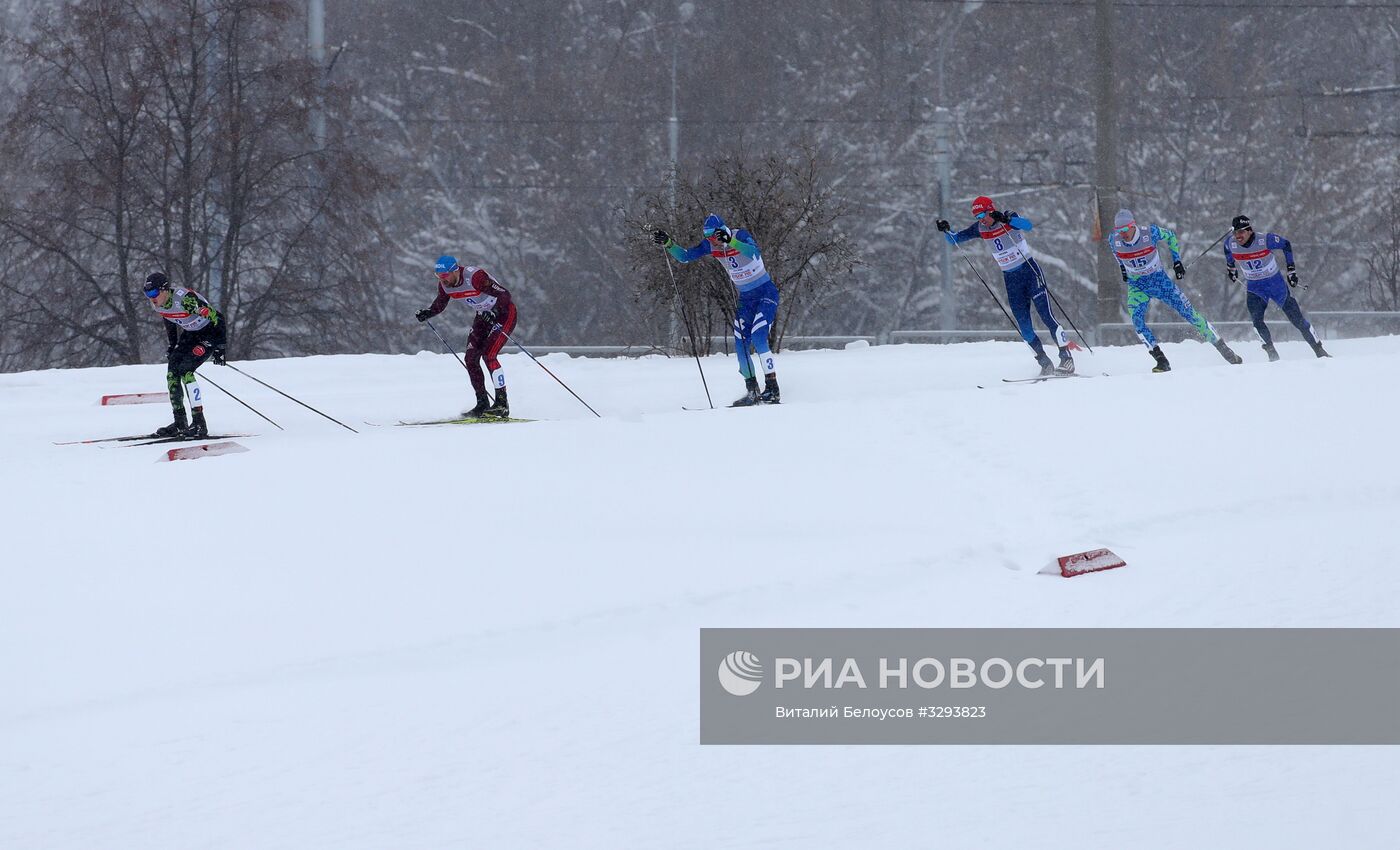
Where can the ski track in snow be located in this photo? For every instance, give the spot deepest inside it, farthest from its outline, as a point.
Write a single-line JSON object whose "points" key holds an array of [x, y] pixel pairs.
{"points": [[487, 636]]}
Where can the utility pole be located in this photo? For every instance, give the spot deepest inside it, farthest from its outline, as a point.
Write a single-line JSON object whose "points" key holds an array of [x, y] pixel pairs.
{"points": [[316, 51], [943, 126], [684, 11], [1105, 164]]}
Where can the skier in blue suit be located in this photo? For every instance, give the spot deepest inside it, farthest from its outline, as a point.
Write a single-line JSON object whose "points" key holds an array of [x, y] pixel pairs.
{"points": [[1025, 283], [758, 300], [1253, 254]]}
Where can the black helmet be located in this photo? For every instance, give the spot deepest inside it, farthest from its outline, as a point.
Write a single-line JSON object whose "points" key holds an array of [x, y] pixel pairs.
{"points": [[155, 282], [1239, 222]]}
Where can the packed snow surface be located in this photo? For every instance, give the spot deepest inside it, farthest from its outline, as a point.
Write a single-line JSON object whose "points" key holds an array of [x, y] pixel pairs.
{"points": [[487, 636]]}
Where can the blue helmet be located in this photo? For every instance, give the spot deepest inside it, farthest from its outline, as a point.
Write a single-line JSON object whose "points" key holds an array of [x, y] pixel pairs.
{"points": [[445, 264], [713, 223]]}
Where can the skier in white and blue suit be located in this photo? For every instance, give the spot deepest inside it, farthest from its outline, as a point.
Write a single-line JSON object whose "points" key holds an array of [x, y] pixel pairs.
{"points": [[1253, 254], [1025, 283], [758, 300], [1135, 248]]}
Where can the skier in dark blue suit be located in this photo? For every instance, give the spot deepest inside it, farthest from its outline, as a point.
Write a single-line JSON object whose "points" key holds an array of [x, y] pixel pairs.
{"points": [[1253, 253], [1025, 283]]}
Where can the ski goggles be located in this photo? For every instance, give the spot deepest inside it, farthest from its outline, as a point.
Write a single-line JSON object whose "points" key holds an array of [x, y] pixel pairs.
{"points": [[444, 275], [152, 290], [980, 216], [1125, 228]]}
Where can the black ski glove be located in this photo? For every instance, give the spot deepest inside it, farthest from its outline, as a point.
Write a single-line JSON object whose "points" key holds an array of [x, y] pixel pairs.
{"points": [[943, 225], [724, 235], [489, 316], [1123, 270], [1232, 272], [1293, 279], [999, 217], [1179, 269], [660, 237], [423, 315], [216, 354]]}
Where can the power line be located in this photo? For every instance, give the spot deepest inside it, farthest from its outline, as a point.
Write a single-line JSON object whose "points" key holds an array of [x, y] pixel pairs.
{"points": [[1174, 4]]}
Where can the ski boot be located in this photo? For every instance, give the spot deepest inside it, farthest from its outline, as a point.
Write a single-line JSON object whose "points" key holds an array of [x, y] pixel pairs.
{"points": [[1162, 364], [1066, 366], [1317, 349], [483, 403], [1046, 367], [750, 397], [174, 429], [770, 390], [1228, 353], [198, 430], [1271, 351], [501, 409]]}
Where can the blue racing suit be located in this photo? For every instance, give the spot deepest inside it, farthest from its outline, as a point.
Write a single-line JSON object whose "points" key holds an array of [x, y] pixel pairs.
{"points": [[1025, 283]]}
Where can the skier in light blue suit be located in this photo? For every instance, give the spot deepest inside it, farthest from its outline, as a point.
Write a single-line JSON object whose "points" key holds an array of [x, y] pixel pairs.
{"points": [[1136, 251], [738, 252]]}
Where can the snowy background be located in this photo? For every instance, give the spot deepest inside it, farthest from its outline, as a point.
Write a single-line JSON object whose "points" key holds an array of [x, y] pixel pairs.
{"points": [[487, 636], [515, 135]]}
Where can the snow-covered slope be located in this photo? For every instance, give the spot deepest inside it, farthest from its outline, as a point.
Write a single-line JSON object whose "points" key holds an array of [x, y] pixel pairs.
{"points": [[487, 636]]}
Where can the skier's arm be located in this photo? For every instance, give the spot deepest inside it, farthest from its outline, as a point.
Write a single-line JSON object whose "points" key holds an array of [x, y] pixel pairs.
{"points": [[1229, 256], [1019, 222], [1122, 269], [439, 304], [1162, 234], [744, 243], [503, 299], [962, 235], [172, 334], [1274, 242], [686, 255]]}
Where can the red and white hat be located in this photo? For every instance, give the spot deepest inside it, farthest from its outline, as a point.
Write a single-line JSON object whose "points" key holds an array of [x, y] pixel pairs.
{"points": [[982, 204]]}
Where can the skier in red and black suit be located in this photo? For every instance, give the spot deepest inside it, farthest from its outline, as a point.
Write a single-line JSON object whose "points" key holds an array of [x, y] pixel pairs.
{"points": [[495, 319]]}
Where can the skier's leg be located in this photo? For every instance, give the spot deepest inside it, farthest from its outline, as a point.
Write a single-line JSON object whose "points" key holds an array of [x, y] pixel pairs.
{"points": [[1020, 283], [760, 326], [176, 387], [1041, 298], [758, 334], [1256, 305], [1138, 302], [1173, 297], [744, 319], [1295, 315], [472, 358], [492, 346], [743, 323]]}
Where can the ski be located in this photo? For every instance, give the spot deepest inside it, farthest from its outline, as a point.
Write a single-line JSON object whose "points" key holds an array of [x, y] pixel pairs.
{"points": [[1055, 377], [469, 420], [107, 440], [1038, 378], [157, 440]]}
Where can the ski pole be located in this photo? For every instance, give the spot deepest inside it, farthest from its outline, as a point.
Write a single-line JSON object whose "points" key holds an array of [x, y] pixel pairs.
{"points": [[429, 323], [450, 350], [551, 374], [240, 401], [1017, 327], [1063, 311], [1208, 247], [297, 400], [689, 328]]}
